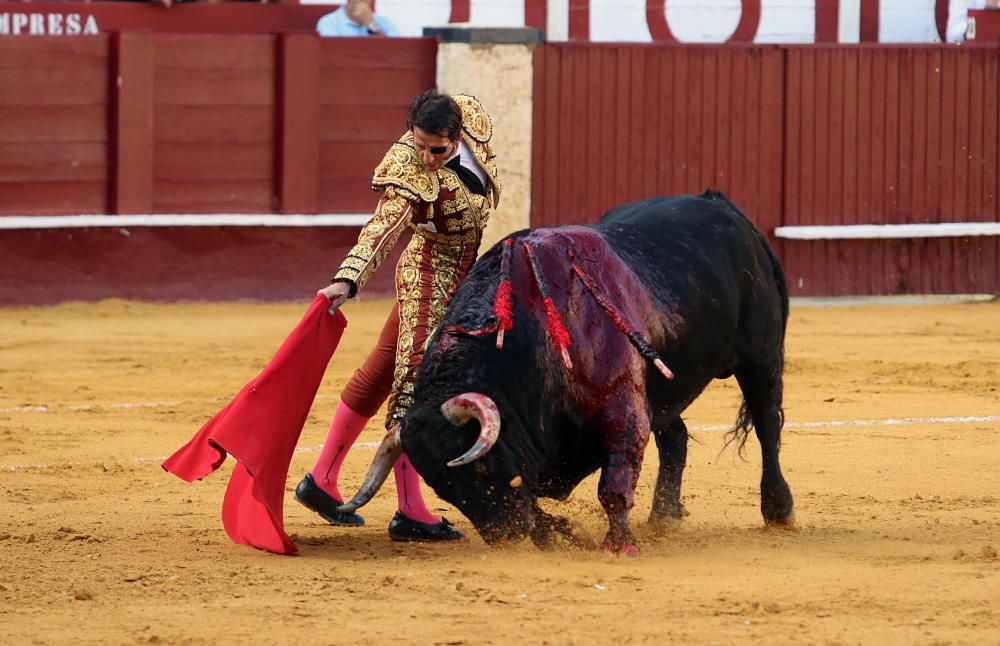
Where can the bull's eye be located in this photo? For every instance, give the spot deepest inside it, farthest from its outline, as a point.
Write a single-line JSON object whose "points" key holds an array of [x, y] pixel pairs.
{"points": [[479, 467]]}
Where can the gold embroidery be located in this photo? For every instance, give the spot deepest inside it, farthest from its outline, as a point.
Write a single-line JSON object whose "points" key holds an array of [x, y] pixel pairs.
{"points": [[449, 207], [377, 239], [475, 121], [467, 221], [408, 294], [401, 168], [456, 240], [449, 179], [480, 207], [433, 263]]}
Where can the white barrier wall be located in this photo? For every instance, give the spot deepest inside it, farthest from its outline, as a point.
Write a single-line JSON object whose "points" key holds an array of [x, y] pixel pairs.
{"points": [[692, 21]]}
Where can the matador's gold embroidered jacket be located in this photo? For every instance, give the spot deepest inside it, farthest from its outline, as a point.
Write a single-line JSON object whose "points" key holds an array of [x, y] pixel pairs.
{"points": [[447, 221], [434, 204]]}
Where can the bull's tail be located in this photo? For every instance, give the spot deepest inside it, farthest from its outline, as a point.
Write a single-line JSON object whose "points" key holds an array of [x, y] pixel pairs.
{"points": [[739, 433]]}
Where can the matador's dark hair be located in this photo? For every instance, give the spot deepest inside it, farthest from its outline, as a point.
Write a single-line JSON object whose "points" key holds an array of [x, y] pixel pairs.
{"points": [[435, 112]]}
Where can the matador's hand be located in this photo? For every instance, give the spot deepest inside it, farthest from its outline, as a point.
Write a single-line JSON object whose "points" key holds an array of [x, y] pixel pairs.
{"points": [[337, 293]]}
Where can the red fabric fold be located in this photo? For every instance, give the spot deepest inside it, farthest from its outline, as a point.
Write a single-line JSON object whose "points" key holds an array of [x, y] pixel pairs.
{"points": [[260, 428]]}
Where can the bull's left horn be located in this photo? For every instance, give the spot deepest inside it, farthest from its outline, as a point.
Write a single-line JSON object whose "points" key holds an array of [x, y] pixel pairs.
{"points": [[460, 409], [386, 456]]}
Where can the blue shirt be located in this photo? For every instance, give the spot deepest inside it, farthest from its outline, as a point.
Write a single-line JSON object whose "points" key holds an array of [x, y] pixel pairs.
{"points": [[338, 24]]}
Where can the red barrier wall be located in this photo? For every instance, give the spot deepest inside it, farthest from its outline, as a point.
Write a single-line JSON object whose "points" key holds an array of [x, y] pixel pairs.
{"points": [[891, 136], [795, 136], [192, 125], [616, 123], [178, 123], [54, 125]]}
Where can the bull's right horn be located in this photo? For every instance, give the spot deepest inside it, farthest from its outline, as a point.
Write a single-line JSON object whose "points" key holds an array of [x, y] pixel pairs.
{"points": [[386, 456], [460, 409]]}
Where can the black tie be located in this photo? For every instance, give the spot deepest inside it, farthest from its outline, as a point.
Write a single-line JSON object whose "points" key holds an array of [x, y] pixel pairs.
{"points": [[470, 179]]}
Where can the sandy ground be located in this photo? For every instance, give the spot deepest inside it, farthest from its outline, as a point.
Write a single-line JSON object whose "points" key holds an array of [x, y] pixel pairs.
{"points": [[899, 522]]}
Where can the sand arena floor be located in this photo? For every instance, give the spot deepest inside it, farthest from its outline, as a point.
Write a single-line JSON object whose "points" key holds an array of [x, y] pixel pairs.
{"points": [[899, 522]]}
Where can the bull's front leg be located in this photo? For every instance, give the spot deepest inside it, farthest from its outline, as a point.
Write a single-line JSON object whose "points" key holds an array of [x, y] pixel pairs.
{"points": [[625, 436]]}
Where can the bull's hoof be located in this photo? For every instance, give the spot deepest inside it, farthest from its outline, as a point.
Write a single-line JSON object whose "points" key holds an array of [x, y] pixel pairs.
{"points": [[544, 535], [621, 548], [578, 537], [661, 524], [788, 522]]}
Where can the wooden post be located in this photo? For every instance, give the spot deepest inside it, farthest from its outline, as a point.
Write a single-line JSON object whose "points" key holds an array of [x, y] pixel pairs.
{"points": [[297, 136], [131, 176]]}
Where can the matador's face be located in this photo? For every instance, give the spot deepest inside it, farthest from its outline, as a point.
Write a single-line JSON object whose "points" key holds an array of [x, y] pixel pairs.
{"points": [[434, 148]]}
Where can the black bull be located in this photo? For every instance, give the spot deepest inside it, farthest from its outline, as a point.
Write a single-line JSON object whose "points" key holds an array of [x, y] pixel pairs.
{"points": [[689, 279]]}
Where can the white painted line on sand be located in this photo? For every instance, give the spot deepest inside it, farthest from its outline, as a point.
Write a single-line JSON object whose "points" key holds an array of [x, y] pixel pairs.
{"points": [[902, 421]]}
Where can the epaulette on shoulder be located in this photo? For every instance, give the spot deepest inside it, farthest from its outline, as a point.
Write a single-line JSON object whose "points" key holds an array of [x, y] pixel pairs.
{"points": [[475, 121], [401, 168]]}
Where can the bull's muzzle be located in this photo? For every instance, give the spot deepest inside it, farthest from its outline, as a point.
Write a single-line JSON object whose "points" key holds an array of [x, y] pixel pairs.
{"points": [[460, 409]]}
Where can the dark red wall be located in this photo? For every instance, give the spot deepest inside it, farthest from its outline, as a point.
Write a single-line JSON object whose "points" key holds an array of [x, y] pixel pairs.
{"points": [[54, 125], [178, 123], [47, 266], [363, 93], [616, 123], [201, 124], [795, 136], [880, 135]]}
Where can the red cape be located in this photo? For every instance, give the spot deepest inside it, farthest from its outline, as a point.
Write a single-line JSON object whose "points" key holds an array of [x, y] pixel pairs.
{"points": [[260, 428]]}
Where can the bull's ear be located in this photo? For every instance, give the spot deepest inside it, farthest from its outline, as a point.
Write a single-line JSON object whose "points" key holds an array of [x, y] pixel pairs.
{"points": [[460, 409]]}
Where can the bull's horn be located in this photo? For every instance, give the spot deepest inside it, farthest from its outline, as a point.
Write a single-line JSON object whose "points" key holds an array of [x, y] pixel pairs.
{"points": [[460, 409], [386, 456]]}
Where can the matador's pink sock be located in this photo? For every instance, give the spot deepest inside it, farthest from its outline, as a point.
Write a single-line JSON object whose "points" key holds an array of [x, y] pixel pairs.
{"points": [[411, 501], [344, 431]]}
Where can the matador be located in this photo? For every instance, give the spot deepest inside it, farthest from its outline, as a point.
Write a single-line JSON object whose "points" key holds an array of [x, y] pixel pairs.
{"points": [[438, 183]]}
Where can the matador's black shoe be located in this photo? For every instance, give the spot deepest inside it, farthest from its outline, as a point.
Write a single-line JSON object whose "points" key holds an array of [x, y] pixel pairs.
{"points": [[310, 495], [402, 528]]}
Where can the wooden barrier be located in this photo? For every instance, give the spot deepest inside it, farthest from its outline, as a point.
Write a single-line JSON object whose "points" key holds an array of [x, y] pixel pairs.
{"points": [[181, 123], [797, 137], [140, 123]]}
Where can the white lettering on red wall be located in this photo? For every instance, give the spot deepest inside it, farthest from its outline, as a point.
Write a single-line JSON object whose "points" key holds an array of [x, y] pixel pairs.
{"points": [[52, 24]]}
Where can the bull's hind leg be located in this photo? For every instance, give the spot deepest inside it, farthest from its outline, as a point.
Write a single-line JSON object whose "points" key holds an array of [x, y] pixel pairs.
{"points": [[671, 443], [762, 391]]}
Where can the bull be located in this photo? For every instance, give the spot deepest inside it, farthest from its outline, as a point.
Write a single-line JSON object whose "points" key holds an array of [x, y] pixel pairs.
{"points": [[565, 347]]}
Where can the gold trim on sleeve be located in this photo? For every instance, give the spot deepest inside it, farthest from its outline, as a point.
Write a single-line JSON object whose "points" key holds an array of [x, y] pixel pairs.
{"points": [[377, 239]]}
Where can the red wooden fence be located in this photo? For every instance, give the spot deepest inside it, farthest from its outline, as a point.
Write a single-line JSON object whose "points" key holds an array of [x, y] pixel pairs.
{"points": [[795, 136], [167, 123], [170, 123], [618, 123], [54, 118], [891, 136]]}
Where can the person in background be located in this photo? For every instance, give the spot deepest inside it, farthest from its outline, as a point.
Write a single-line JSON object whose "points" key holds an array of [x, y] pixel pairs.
{"points": [[438, 183], [355, 18], [958, 17]]}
